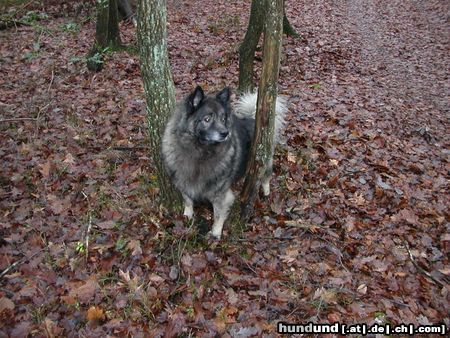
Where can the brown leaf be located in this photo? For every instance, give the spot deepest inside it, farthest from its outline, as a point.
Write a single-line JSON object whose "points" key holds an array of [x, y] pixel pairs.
{"points": [[382, 184], [350, 223], [125, 275], [106, 225], [406, 215], [51, 329], [176, 324], [44, 169], [290, 255], [22, 329], [95, 315], [135, 247], [69, 159], [334, 317], [56, 204], [155, 279], [232, 296], [193, 264], [332, 181], [69, 300], [362, 289], [225, 316], [291, 157], [6, 304], [85, 292], [326, 295]]}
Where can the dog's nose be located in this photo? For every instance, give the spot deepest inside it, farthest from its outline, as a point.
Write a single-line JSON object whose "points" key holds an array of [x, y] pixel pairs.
{"points": [[224, 134]]}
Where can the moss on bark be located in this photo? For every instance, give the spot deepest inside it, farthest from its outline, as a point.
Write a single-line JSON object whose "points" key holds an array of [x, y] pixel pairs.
{"points": [[158, 85]]}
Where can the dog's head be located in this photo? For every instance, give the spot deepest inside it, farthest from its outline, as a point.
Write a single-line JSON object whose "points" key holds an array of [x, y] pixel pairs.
{"points": [[209, 116]]}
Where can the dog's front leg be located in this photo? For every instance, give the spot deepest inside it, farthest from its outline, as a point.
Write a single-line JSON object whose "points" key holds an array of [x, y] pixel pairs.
{"points": [[188, 207], [265, 182], [221, 209]]}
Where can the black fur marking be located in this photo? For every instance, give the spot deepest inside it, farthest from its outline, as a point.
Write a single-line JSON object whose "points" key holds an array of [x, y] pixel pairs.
{"points": [[194, 100], [224, 96]]}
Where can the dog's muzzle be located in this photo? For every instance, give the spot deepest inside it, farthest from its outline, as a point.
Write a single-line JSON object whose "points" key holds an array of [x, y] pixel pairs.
{"points": [[214, 138]]}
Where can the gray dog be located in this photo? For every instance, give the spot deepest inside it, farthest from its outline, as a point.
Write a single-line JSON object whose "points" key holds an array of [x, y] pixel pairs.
{"points": [[205, 149]]}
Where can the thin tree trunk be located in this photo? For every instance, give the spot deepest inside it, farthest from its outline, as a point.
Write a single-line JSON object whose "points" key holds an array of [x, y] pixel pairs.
{"points": [[158, 85], [262, 143], [113, 25], [287, 27], [125, 10], [106, 33], [102, 25], [248, 47]]}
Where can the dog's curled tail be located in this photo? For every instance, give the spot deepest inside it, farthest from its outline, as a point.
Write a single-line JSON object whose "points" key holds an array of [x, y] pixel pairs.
{"points": [[246, 107]]}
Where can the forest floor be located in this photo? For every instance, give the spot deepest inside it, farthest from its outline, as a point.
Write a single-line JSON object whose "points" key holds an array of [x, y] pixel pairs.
{"points": [[356, 229]]}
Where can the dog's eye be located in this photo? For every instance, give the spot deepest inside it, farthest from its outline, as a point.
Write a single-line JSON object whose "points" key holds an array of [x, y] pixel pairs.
{"points": [[223, 119], [207, 118]]}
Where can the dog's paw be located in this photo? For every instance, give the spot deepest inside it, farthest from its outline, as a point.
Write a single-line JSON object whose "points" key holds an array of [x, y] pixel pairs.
{"points": [[213, 236], [188, 212], [266, 189]]}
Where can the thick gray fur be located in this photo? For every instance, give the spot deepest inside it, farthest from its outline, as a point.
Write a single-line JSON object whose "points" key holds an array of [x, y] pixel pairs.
{"points": [[205, 149]]}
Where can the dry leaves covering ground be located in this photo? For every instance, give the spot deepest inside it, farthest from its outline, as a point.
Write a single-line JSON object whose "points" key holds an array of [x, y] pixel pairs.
{"points": [[355, 231]]}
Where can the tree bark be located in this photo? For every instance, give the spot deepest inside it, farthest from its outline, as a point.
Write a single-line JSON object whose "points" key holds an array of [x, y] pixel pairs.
{"points": [[106, 33], [248, 47], [113, 25], [262, 143], [288, 29], [125, 10], [158, 85]]}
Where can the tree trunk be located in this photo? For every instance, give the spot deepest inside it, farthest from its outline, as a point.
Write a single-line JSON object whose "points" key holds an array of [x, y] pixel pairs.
{"points": [[262, 144], [125, 10], [106, 33], [113, 25], [248, 47], [158, 85], [287, 27]]}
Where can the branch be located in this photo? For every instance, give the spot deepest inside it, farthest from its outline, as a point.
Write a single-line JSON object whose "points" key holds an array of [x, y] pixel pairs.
{"points": [[19, 262], [420, 269], [18, 119]]}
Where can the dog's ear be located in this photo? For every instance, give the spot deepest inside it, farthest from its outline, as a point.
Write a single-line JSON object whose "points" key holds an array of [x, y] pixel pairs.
{"points": [[224, 95], [194, 99]]}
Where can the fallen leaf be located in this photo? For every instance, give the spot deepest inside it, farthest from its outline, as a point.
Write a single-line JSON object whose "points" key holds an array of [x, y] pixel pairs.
{"points": [[95, 315], [85, 292], [6, 304], [135, 247], [106, 225], [362, 289], [44, 169], [69, 159], [291, 157], [51, 328], [406, 215]]}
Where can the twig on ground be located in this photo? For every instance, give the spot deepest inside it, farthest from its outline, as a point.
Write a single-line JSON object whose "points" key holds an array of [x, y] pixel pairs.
{"points": [[19, 262], [39, 116], [18, 119], [89, 227], [265, 237], [420, 269], [51, 81], [131, 148]]}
